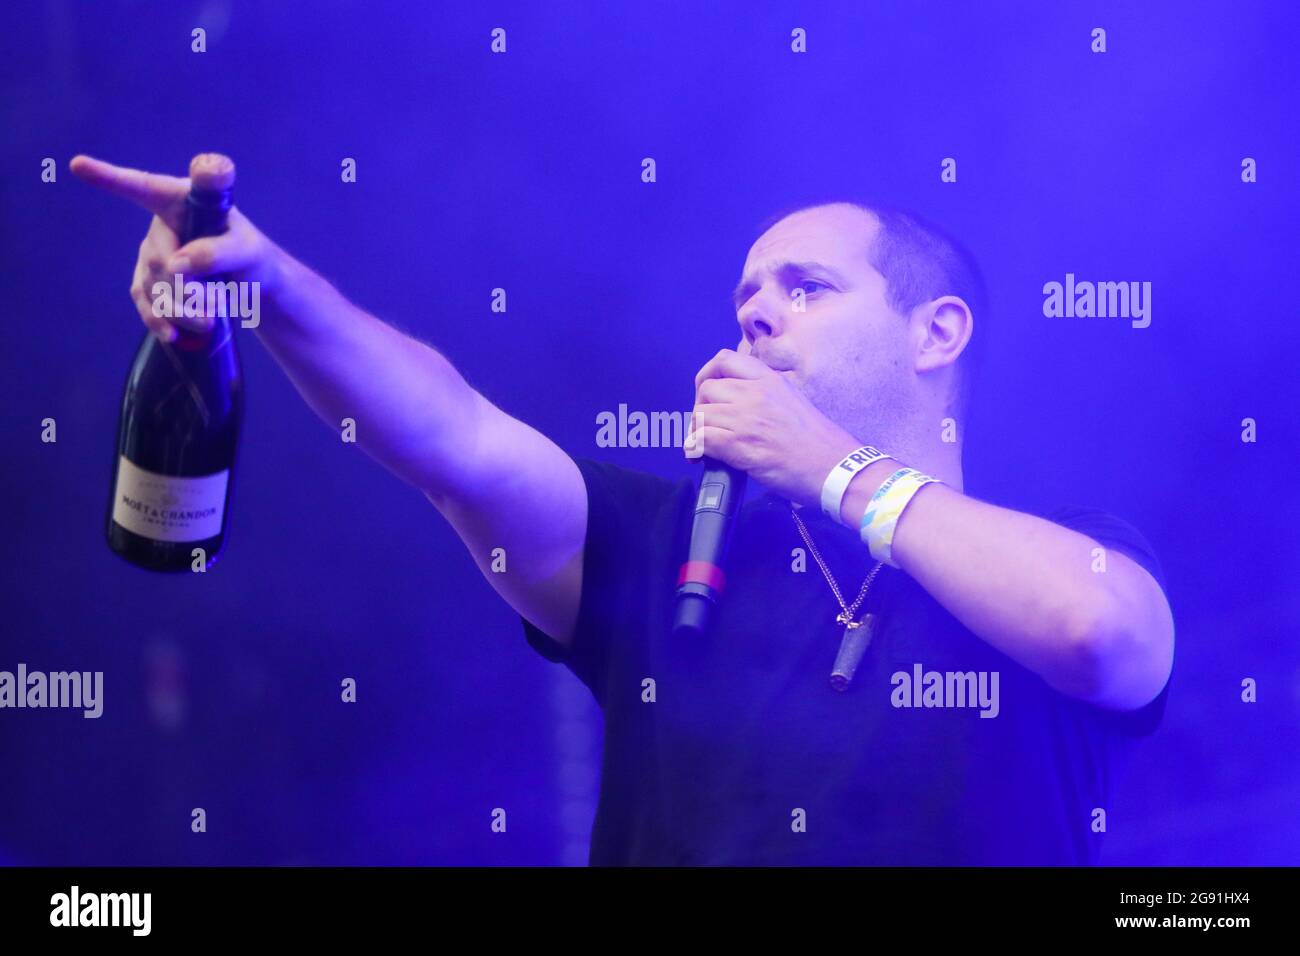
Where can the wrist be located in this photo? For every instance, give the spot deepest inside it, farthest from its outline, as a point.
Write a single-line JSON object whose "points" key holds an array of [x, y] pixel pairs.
{"points": [[292, 292], [852, 458], [277, 272], [827, 471], [862, 487]]}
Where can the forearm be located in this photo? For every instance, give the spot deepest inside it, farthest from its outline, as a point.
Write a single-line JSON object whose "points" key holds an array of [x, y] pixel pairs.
{"points": [[414, 413], [1028, 587]]}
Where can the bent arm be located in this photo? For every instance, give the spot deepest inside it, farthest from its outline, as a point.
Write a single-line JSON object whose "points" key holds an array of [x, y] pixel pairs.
{"points": [[1027, 586]]}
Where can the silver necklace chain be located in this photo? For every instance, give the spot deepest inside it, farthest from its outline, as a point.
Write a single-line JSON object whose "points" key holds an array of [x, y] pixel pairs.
{"points": [[847, 616]]}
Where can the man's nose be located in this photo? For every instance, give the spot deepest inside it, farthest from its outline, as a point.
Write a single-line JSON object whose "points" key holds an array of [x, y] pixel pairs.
{"points": [[758, 319]]}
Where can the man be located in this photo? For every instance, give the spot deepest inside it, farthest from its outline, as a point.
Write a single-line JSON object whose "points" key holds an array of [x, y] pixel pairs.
{"points": [[945, 681]]}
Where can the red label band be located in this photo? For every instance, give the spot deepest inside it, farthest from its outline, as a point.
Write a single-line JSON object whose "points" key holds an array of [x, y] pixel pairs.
{"points": [[702, 572], [188, 341]]}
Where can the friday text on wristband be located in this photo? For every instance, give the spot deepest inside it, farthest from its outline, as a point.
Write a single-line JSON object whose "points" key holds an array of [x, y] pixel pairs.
{"points": [[837, 482]]}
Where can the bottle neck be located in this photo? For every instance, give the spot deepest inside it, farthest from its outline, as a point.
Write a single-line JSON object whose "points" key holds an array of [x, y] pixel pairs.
{"points": [[205, 215]]}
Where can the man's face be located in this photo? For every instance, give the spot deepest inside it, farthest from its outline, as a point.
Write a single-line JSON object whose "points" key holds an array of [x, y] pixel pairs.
{"points": [[848, 351]]}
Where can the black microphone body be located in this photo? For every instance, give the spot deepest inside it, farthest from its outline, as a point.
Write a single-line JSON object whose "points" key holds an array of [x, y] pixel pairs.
{"points": [[701, 580]]}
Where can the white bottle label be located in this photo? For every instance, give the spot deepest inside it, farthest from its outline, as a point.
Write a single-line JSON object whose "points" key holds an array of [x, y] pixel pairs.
{"points": [[166, 508]]}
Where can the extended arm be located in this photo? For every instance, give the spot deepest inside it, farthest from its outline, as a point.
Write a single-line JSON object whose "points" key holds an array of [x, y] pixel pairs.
{"points": [[500, 483]]}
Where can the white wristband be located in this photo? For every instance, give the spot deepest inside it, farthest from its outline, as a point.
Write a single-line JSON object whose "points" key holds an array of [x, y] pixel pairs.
{"points": [[837, 482]]}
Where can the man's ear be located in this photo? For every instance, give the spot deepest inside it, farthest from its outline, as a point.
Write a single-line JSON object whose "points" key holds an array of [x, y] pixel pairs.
{"points": [[944, 326]]}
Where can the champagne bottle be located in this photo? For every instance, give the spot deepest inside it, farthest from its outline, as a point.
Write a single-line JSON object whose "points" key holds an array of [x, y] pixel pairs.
{"points": [[181, 415]]}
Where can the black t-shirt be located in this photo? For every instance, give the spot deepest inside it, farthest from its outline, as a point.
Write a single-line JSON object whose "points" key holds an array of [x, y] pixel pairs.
{"points": [[741, 753]]}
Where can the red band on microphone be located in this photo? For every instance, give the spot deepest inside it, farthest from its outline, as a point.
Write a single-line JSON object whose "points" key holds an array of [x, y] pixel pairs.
{"points": [[702, 572]]}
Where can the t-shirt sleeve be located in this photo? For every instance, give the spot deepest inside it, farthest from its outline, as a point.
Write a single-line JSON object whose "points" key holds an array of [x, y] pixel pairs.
{"points": [[629, 522], [1116, 534]]}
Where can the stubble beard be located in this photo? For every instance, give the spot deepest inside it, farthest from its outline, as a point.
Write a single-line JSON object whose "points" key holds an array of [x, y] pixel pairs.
{"points": [[873, 415]]}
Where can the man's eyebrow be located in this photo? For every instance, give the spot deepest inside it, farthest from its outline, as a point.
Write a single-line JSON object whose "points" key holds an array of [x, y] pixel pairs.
{"points": [[744, 289]]}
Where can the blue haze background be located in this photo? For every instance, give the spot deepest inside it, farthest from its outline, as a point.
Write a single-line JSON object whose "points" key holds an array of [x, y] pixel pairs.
{"points": [[523, 171]]}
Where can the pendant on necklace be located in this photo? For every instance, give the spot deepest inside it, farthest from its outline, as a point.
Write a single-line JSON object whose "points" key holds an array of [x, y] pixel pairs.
{"points": [[857, 635]]}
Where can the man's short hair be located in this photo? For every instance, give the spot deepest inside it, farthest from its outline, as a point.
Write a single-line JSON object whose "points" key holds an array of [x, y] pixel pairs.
{"points": [[920, 262]]}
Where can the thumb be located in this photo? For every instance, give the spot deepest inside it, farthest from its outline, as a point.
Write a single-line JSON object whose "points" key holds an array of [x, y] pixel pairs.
{"points": [[211, 254]]}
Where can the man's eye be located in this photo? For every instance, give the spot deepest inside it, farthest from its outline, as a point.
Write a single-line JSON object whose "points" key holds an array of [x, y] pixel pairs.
{"points": [[808, 282]]}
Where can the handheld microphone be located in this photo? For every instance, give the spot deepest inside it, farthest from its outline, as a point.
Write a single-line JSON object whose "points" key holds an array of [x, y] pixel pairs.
{"points": [[701, 579]]}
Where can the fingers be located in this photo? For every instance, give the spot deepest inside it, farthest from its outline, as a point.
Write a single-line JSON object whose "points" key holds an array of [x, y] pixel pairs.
{"points": [[209, 255], [715, 391], [152, 308], [731, 364], [241, 249], [152, 284], [159, 194], [727, 417], [711, 440], [159, 242], [162, 260]]}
